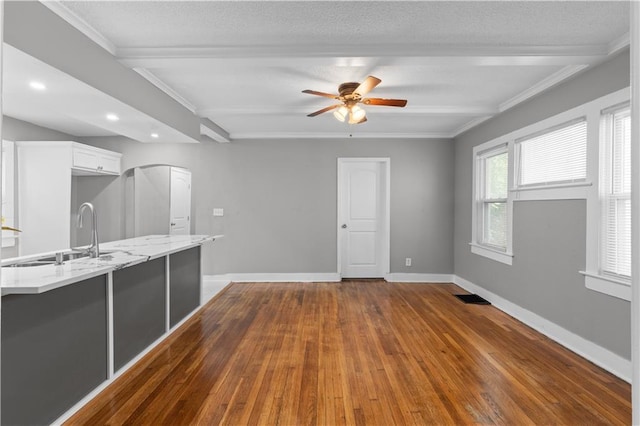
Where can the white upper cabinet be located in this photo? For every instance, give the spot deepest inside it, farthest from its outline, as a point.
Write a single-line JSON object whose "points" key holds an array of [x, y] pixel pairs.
{"points": [[88, 160]]}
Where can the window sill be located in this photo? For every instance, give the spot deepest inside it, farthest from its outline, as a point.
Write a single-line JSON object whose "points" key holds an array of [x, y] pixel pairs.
{"points": [[607, 285], [498, 256], [566, 191]]}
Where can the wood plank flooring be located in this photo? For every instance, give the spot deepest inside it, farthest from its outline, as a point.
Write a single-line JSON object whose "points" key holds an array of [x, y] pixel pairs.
{"points": [[357, 353]]}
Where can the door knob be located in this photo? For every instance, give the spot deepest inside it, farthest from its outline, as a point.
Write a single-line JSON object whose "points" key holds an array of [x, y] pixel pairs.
{"points": [[344, 226], [173, 224]]}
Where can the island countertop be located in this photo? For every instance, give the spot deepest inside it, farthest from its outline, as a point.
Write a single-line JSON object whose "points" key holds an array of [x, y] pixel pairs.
{"points": [[117, 255]]}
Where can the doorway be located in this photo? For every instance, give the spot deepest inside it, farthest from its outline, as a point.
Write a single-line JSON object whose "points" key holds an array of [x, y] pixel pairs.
{"points": [[364, 217]]}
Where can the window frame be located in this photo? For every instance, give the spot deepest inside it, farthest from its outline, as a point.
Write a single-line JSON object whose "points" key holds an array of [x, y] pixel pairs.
{"points": [[595, 279], [478, 246], [606, 195]]}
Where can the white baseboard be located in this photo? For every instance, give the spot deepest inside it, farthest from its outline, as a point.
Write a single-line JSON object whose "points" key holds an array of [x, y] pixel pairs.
{"points": [[403, 277], [211, 286], [613, 363], [277, 277], [216, 279]]}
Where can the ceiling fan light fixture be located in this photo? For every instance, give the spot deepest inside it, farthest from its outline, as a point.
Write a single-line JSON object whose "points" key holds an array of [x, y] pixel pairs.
{"points": [[357, 114], [341, 113]]}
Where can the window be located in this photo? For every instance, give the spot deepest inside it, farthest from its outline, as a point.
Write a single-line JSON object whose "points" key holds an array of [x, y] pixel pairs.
{"points": [[492, 203], [493, 199], [615, 192], [554, 156]]}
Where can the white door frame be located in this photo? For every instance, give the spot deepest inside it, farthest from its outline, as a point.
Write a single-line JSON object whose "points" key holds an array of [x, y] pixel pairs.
{"points": [[385, 162]]}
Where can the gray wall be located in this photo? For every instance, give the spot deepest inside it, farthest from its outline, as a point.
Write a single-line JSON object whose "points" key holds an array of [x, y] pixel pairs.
{"points": [[18, 130], [279, 200], [549, 237]]}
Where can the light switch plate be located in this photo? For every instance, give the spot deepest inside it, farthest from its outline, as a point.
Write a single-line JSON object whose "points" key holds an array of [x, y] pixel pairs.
{"points": [[218, 212]]}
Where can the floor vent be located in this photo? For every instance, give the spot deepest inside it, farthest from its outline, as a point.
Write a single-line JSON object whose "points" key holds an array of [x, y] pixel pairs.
{"points": [[473, 299]]}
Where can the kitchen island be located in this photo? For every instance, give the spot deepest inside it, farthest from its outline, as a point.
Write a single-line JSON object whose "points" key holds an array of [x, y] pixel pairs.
{"points": [[68, 329]]}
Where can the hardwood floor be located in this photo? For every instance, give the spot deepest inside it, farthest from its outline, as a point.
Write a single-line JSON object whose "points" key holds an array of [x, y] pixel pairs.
{"points": [[357, 353]]}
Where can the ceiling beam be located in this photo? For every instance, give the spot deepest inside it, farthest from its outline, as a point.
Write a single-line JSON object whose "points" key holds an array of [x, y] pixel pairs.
{"points": [[423, 110], [206, 58], [215, 132], [341, 135]]}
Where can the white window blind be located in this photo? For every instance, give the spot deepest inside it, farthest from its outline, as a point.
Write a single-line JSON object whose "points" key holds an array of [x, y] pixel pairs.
{"points": [[493, 198], [554, 156], [616, 193]]}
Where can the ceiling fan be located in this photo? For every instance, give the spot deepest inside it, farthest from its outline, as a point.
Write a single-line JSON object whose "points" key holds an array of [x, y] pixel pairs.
{"points": [[351, 94]]}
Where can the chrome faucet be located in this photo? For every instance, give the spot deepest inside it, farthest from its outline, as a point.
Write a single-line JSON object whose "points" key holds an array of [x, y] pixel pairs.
{"points": [[94, 250]]}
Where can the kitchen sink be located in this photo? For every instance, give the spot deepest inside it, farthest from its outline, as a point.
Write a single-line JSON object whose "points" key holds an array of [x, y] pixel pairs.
{"points": [[66, 256], [51, 260]]}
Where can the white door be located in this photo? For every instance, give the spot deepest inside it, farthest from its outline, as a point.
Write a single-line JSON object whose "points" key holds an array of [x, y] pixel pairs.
{"points": [[180, 202], [363, 217]]}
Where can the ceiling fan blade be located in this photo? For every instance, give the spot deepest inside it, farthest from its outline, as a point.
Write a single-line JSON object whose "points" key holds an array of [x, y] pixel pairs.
{"points": [[367, 85], [385, 102], [326, 95], [320, 111]]}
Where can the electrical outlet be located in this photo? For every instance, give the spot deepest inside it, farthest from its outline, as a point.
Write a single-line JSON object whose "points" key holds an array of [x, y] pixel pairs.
{"points": [[218, 212], [407, 261]]}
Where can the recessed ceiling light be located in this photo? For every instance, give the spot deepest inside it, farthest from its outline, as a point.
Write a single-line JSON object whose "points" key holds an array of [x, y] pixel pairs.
{"points": [[37, 85], [155, 135], [112, 117]]}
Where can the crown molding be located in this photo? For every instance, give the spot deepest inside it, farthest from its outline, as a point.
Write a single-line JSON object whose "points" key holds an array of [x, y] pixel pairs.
{"points": [[620, 43], [80, 24], [165, 88], [342, 135], [542, 85], [470, 124]]}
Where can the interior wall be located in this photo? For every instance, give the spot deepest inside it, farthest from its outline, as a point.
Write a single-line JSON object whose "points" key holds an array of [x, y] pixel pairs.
{"points": [[549, 237], [279, 199]]}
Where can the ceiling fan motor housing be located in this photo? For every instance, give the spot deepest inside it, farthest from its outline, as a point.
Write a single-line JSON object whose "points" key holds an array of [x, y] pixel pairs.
{"points": [[346, 89]]}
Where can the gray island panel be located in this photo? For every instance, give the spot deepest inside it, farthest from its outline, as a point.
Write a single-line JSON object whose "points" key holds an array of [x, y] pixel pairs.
{"points": [[54, 350], [139, 309], [185, 283]]}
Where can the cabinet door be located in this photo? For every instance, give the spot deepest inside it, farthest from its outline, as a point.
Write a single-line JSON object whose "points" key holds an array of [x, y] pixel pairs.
{"points": [[85, 159], [88, 161], [109, 164]]}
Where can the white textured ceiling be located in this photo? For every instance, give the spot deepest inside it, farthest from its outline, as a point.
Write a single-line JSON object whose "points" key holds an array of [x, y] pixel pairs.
{"points": [[243, 64], [233, 23]]}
